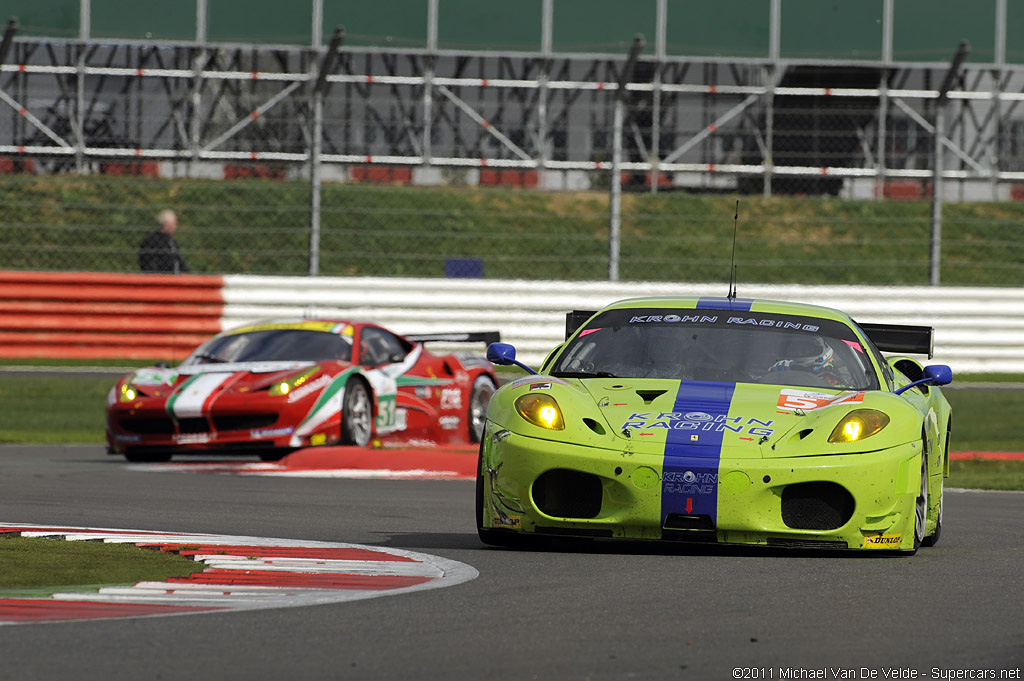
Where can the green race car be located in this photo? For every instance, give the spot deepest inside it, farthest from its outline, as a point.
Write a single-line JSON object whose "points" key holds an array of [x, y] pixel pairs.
{"points": [[726, 420]]}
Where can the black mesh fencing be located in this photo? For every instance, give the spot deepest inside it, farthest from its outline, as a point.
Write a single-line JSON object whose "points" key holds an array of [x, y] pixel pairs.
{"points": [[259, 223]]}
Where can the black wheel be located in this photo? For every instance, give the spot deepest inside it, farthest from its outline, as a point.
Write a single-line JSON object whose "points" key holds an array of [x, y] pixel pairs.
{"points": [[136, 456], [480, 493], [273, 454], [356, 415], [479, 398]]}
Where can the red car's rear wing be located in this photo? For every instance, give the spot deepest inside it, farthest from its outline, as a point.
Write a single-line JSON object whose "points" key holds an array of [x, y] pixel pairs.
{"points": [[901, 338], [471, 337]]}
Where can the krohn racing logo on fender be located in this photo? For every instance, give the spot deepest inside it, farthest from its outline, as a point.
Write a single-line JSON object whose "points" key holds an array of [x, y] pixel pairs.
{"points": [[689, 482], [698, 420]]}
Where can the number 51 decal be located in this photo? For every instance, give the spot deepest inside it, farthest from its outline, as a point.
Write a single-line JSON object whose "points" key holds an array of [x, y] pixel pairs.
{"points": [[792, 400]]}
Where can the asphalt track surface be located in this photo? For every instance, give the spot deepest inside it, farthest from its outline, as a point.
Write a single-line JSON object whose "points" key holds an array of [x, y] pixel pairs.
{"points": [[601, 611]]}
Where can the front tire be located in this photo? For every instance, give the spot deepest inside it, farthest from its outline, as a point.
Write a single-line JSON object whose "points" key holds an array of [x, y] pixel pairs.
{"points": [[921, 506], [933, 538], [273, 454], [356, 415]]}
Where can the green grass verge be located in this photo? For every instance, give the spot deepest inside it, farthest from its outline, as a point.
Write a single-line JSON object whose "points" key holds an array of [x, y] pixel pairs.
{"points": [[986, 474], [39, 567], [76, 363], [65, 409], [986, 420], [262, 227]]}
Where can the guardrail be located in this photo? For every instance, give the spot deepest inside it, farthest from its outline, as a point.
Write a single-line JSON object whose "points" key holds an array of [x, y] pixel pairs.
{"points": [[129, 316], [89, 315]]}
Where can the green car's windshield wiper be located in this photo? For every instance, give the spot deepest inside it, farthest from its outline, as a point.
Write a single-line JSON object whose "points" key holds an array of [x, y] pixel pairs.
{"points": [[583, 374]]}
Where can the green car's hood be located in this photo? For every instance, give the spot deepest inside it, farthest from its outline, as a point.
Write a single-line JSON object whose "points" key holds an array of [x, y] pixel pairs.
{"points": [[745, 420]]}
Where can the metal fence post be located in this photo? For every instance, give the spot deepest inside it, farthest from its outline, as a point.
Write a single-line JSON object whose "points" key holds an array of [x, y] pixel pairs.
{"points": [[319, 89], [935, 260], [78, 122], [615, 204]]}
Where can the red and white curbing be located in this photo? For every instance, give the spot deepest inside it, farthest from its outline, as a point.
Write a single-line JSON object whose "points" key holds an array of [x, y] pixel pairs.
{"points": [[988, 456], [242, 573]]}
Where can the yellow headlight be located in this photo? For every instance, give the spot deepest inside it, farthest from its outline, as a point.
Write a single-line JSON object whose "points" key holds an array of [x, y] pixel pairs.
{"points": [[285, 387], [857, 425], [540, 410], [128, 393]]}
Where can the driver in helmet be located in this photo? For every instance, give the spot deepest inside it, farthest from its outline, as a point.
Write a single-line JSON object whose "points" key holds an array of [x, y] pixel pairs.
{"points": [[810, 354]]}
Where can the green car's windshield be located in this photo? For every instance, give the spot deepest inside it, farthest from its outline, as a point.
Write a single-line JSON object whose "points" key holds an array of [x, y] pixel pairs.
{"points": [[719, 345]]}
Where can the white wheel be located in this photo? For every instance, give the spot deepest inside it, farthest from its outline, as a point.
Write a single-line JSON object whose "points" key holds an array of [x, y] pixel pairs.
{"points": [[356, 415], [479, 398]]}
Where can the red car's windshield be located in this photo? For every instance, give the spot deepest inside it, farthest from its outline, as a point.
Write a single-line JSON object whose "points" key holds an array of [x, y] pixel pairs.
{"points": [[296, 345]]}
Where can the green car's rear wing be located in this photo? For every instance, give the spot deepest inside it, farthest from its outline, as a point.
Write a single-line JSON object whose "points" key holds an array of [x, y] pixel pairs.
{"points": [[575, 319], [886, 337], [901, 338]]}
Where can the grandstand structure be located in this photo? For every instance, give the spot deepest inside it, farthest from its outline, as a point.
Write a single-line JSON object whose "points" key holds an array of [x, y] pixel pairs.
{"points": [[821, 97]]}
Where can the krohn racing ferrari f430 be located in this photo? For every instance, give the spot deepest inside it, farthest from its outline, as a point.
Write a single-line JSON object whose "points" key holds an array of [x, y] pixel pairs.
{"points": [[726, 420], [271, 387]]}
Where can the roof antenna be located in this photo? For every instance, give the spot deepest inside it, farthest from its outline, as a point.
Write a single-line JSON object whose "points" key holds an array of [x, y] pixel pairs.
{"points": [[732, 265]]}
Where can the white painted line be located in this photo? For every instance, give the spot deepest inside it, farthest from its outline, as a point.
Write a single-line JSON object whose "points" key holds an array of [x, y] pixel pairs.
{"points": [[348, 567], [275, 470]]}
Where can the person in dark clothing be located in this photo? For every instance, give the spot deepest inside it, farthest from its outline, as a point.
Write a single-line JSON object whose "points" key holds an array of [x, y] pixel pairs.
{"points": [[159, 252]]}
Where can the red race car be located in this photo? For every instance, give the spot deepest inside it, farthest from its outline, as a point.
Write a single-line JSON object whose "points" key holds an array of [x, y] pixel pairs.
{"points": [[272, 387]]}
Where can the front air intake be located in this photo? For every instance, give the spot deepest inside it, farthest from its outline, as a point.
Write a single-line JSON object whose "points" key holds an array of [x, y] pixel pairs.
{"points": [[816, 506], [794, 543], [243, 421], [686, 521], [568, 494]]}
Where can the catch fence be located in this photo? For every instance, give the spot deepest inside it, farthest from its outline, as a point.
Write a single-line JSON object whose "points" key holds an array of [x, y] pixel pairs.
{"points": [[261, 226], [281, 160]]}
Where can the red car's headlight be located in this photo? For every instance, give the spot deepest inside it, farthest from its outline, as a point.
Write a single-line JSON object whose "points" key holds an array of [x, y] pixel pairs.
{"points": [[285, 387]]}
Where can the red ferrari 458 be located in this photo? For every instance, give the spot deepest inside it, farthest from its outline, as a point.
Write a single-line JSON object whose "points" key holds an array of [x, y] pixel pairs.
{"points": [[272, 387]]}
